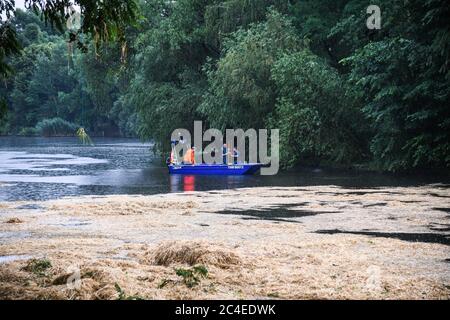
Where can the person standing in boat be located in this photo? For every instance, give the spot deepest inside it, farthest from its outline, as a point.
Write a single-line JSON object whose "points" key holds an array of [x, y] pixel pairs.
{"points": [[173, 158], [235, 155], [225, 153], [189, 157]]}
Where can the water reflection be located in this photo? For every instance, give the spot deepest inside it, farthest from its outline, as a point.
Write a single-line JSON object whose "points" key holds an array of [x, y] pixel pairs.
{"points": [[179, 183]]}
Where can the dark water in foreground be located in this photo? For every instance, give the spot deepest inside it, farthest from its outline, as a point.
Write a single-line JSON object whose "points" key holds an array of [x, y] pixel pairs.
{"points": [[47, 168]]}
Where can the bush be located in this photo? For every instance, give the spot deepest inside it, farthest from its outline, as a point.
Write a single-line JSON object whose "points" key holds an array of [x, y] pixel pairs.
{"points": [[27, 131], [56, 127]]}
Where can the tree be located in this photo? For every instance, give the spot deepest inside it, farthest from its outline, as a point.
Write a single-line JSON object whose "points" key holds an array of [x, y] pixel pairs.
{"points": [[168, 82], [241, 92], [8, 46], [51, 81], [317, 114], [403, 79], [102, 20]]}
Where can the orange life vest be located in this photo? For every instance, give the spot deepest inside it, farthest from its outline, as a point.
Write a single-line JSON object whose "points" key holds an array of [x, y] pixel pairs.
{"points": [[189, 157]]}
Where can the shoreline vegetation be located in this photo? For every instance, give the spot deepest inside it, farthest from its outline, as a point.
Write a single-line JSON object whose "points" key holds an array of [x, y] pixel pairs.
{"points": [[311, 69], [54, 127], [95, 135], [321, 242]]}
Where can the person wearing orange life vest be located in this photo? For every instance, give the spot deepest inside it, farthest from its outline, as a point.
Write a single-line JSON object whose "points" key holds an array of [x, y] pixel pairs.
{"points": [[189, 157]]}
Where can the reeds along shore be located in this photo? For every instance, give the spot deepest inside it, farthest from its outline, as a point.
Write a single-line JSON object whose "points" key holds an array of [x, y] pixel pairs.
{"points": [[287, 243]]}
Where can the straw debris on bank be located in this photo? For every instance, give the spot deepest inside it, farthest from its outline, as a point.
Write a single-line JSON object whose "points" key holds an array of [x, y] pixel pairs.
{"points": [[194, 252], [321, 242]]}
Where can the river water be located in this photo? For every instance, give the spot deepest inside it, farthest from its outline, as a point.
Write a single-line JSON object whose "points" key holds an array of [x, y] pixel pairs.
{"points": [[48, 168]]}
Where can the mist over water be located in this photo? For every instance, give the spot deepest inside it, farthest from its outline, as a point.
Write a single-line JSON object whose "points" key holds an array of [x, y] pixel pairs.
{"points": [[49, 168]]}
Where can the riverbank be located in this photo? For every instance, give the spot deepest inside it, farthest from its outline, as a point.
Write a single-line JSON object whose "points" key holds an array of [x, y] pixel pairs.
{"points": [[320, 242]]}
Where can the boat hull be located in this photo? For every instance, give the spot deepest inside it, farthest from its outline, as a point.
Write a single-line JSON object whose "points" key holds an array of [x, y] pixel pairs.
{"points": [[215, 169]]}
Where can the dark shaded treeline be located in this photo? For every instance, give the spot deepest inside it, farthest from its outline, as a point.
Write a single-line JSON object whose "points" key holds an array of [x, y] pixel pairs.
{"points": [[53, 81], [340, 93]]}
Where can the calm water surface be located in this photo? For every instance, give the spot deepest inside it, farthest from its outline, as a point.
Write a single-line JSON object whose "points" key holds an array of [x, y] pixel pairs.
{"points": [[48, 168]]}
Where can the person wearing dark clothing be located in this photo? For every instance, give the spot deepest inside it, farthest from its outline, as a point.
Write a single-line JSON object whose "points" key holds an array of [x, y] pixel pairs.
{"points": [[224, 153], [235, 155]]}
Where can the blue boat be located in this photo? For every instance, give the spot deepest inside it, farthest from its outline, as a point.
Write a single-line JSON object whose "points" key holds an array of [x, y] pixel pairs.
{"points": [[214, 169]]}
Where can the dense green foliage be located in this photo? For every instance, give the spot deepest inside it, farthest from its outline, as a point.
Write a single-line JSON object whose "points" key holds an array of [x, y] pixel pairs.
{"points": [[56, 127], [102, 20], [402, 76], [50, 80], [339, 92]]}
